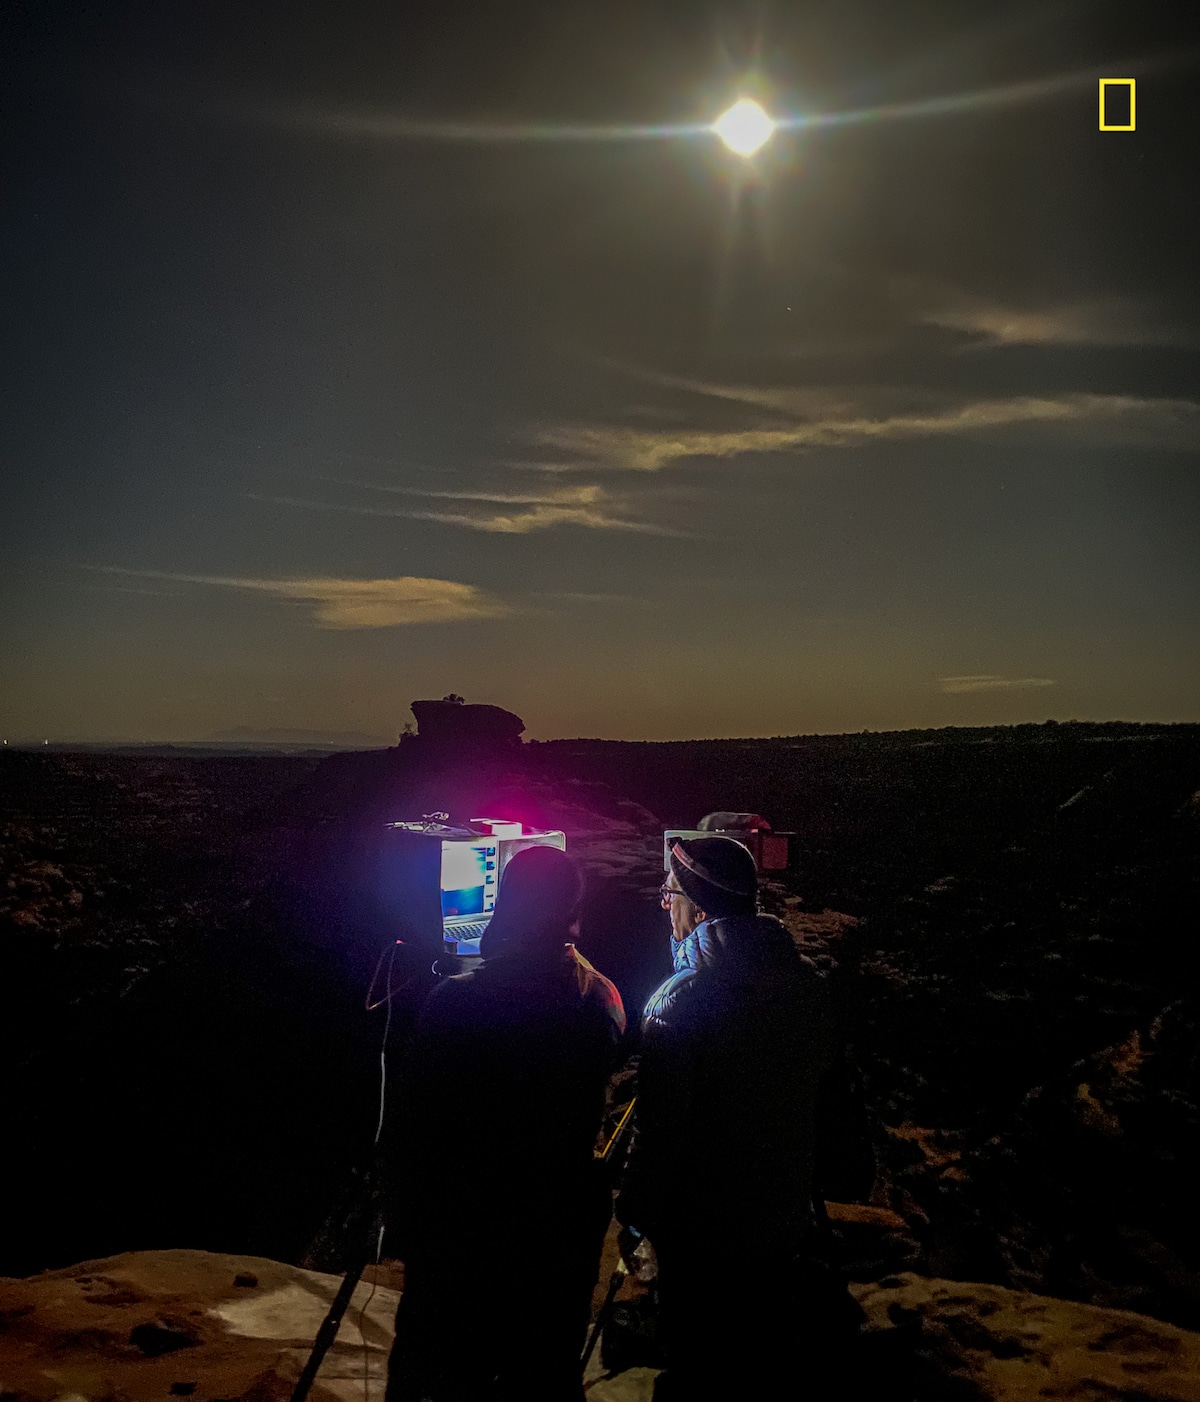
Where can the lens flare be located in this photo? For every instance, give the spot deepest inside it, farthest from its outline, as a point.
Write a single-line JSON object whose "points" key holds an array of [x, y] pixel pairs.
{"points": [[745, 128]]}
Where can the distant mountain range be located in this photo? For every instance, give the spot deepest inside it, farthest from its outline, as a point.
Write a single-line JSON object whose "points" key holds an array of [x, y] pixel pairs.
{"points": [[247, 737], [242, 740]]}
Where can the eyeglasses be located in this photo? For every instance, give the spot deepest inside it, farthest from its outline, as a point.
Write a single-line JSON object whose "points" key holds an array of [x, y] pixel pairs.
{"points": [[666, 892]]}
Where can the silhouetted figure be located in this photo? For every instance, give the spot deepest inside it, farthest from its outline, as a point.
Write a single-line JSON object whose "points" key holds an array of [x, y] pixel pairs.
{"points": [[720, 1178], [500, 1206]]}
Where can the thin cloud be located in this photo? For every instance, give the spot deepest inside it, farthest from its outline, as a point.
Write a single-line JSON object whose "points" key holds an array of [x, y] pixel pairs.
{"points": [[801, 401], [393, 126], [562, 496], [988, 322], [126, 589], [958, 686], [575, 596], [1121, 418], [540, 517], [547, 469], [570, 506], [356, 603]]}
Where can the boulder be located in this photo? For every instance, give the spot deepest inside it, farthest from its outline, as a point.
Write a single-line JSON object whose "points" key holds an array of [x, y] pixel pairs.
{"points": [[454, 723], [997, 1345], [148, 1325]]}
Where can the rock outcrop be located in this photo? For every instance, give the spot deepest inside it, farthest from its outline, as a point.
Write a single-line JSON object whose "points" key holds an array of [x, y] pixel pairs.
{"points": [[150, 1325], [451, 722], [996, 1345]]}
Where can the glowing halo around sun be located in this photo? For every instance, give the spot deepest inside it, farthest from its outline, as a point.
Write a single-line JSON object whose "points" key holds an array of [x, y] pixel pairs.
{"points": [[745, 128]]}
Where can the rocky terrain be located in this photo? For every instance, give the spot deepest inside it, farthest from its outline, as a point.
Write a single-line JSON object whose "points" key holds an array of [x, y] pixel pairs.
{"points": [[185, 943], [1024, 1009], [147, 1325], [155, 1324]]}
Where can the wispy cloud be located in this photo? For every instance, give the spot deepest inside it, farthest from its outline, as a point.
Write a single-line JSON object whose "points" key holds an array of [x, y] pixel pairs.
{"points": [[1091, 321], [588, 506], [956, 686], [1149, 422], [355, 603], [575, 596], [540, 517], [809, 401], [563, 496], [126, 589]]}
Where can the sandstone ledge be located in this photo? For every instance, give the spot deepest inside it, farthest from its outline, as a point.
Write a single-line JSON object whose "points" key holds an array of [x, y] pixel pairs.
{"points": [[160, 1324], [149, 1326], [1013, 1346]]}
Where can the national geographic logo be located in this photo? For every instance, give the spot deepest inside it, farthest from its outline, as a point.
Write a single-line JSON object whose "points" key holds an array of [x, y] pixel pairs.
{"points": [[1117, 104]]}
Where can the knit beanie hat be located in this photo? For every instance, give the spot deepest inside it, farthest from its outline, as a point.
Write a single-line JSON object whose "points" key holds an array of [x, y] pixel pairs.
{"points": [[538, 898], [716, 873]]}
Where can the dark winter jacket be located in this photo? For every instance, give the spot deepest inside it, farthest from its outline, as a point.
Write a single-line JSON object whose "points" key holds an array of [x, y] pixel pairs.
{"points": [[734, 1046], [502, 1097]]}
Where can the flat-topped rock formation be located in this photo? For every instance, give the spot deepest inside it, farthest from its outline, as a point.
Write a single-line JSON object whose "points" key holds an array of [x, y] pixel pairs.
{"points": [[453, 722]]}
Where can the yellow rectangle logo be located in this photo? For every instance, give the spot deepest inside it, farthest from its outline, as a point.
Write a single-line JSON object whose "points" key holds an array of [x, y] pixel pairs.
{"points": [[1131, 84]]}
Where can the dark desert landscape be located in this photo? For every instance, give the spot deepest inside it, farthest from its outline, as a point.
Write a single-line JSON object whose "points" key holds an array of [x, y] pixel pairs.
{"points": [[183, 977]]}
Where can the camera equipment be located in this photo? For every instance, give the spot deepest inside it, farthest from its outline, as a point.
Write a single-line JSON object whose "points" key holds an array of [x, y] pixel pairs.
{"points": [[621, 1270], [438, 881], [768, 848]]}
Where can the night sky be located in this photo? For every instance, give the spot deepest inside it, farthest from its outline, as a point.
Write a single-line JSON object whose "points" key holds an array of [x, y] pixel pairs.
{"points": [[354, 354]]}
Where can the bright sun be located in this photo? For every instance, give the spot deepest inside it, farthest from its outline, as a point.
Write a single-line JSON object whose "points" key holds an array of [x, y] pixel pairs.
{"points": [[744, 128]]}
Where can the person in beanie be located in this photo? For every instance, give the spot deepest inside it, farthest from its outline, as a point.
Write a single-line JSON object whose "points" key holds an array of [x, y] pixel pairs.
{"points": [[498, 1206], [720, 1175]]}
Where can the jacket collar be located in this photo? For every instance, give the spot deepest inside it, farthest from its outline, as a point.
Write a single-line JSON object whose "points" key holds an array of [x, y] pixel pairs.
{"points": [[731, 940]]}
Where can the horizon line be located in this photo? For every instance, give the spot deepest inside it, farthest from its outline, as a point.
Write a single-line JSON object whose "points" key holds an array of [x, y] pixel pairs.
{"points": [[29, 744]]}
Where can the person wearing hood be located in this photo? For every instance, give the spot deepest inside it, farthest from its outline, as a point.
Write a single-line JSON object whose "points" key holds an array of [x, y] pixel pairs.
{"points": [[499, 1207], [735, 1044]]}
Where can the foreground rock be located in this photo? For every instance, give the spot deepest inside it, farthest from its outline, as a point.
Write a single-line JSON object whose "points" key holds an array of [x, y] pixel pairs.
{"points": [[159, 1324], [987, 1342], [152, 1325]]}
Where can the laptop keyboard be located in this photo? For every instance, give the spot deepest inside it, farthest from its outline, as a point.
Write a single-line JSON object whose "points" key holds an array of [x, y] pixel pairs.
{"points": [[466, 932]]}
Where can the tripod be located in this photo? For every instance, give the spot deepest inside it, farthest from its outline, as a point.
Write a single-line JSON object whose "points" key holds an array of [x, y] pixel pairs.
{"points": [[621, 1270], [365, 1229]]}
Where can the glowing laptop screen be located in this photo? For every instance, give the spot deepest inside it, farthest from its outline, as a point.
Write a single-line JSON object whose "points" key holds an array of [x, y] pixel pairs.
{"points": [[469, 871]]}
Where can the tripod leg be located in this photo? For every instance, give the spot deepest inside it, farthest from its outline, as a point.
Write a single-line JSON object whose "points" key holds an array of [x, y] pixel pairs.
{"points": [[329, 1328], [614, 1285]]}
